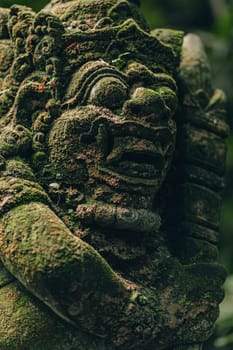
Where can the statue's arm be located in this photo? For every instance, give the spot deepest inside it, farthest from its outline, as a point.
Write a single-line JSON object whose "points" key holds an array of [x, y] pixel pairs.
{"points": [[63, 271], [37, 248], [41, 252]]}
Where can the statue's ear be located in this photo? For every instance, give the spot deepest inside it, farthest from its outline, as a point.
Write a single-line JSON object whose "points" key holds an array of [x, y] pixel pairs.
{"points": [[32, 96]]}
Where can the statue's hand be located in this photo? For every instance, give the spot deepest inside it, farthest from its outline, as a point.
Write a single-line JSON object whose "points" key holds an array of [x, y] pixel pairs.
{"points": [[40, 251], [60, 269]]}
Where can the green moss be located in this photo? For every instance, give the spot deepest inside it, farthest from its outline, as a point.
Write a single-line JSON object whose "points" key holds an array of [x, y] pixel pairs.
{"points": [[42, 253], [5, 276], [5, 103], [26, 324]]}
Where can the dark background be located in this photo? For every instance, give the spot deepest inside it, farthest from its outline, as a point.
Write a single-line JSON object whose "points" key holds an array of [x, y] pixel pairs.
{"points": [[213, 21]]}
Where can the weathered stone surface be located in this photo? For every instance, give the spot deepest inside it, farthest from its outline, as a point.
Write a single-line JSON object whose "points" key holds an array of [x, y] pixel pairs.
{"points": [[111, 172]]}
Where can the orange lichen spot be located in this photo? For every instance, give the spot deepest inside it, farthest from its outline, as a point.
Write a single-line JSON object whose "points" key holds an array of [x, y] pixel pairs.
{"points": [[42, 85]]}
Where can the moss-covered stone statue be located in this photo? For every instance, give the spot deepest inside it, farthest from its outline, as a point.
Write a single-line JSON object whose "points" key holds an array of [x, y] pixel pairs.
{"points": [[111, 172]]}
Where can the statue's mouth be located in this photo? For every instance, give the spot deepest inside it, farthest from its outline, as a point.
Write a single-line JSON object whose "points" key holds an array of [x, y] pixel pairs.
{"points": [[135, 160], [139, 165], [145, 164]]}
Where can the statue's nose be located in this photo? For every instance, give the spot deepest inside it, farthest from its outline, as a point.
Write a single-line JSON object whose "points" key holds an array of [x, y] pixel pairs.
{"points": [[151, 104]]}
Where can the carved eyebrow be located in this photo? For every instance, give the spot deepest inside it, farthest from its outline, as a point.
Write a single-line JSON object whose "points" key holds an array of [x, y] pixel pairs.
{"points": [[88, 79]]}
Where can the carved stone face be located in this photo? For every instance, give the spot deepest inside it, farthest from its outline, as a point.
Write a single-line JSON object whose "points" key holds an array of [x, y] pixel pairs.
{"points": [[121, 140], [113, 142]]}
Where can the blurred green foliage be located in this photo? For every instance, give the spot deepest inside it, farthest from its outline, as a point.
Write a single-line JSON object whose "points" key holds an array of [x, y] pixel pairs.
{"points": [[36, 5]]}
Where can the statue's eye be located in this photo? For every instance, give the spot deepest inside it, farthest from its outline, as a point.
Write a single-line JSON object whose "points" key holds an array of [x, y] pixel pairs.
{"points": [[97, 83], [108, 92]]}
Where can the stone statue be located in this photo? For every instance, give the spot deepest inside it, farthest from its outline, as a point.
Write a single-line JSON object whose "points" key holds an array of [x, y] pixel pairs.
{"points": [[111, 171]]}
